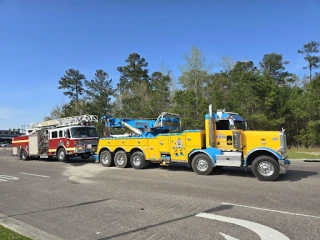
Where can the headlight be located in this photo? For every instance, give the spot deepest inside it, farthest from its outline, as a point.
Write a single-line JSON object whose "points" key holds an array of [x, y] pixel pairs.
{"points": [[282, 152]]}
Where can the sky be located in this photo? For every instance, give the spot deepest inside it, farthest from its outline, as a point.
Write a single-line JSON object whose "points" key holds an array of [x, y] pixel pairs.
{"points": [[41, 39]]}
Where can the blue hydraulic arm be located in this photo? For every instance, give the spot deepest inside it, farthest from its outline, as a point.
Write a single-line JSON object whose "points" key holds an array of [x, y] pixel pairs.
{"points": [[165, 123]]}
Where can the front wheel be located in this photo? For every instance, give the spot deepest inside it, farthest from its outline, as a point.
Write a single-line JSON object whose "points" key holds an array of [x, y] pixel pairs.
{"points": [[265, 168], [202, 164], [62, 156]]}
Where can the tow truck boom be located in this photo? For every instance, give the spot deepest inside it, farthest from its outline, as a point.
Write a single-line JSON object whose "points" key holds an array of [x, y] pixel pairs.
{"points": [[165, 123]]}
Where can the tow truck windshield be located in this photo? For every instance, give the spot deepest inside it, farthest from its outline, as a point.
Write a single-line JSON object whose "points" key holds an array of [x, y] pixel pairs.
{"points": [[83, 132], [225, 125]]}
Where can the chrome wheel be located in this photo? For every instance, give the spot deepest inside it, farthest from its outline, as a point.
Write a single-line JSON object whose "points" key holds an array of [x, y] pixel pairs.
{"points": [[23, 155], [136, 160], [265, 168], [105, 159], [120, 159], [202, 165], [61, 155]]}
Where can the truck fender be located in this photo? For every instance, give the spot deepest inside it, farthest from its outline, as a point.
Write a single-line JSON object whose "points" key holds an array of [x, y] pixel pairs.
{"points": [[103, 149], [137, 149], [60, 146], [258, 152], [210, 152]]}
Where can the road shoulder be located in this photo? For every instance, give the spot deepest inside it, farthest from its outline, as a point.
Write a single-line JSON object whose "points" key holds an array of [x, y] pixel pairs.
{"points": [[25, 229]]}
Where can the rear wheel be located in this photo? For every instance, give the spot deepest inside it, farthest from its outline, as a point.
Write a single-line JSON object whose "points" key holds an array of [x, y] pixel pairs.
{"points": [[62, 156], [121, 159], [202, 164], [24, 155], [106, 159], [138, 161], [265, 168]]}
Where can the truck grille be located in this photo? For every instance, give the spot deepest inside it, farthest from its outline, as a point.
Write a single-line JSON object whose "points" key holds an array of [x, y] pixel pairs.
{"points": [[283, 141]]}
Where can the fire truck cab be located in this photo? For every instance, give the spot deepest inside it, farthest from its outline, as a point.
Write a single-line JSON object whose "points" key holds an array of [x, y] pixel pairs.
{"points": [[61, 138]]}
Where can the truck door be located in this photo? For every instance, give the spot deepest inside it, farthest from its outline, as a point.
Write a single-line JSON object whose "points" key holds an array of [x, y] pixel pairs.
{"points": [[223, 135], [53, 141]]}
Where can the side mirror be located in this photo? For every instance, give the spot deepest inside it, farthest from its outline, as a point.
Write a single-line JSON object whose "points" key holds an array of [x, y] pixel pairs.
{"points": [[231, 124], [66, 133]]}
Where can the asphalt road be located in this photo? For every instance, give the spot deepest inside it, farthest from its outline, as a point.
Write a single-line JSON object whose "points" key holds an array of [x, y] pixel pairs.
{"points": [[83, 200]]}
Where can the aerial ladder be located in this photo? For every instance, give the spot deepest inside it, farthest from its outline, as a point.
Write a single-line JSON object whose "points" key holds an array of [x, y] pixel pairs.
{"points": [[62, 122]]}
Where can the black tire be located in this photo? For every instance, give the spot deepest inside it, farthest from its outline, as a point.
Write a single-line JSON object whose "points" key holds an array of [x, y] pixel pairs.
{"points": [[24, 155], [106, 159], [62, 156], [265, 168], [121, 159], [138, 160], [148, 164], [202, 164]]}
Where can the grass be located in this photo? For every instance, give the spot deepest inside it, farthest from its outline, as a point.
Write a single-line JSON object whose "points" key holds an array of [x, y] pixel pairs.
{"points": [[304, 153], [7, 234]]}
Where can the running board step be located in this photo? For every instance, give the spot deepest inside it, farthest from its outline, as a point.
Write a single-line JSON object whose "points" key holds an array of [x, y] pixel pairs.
{"points": [[229, 159]]}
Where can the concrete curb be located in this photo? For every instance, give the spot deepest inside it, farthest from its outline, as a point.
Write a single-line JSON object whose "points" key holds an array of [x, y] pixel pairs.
{"points": [[6, 148], [26, 229]]}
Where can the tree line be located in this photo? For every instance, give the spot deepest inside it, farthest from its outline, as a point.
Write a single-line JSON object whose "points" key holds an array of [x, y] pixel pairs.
{"points": [[266, 95]]}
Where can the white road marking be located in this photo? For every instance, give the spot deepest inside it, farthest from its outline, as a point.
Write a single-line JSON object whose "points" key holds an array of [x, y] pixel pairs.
{"points": [[271, 210], [273, 200], [5, 178], [264, 232], [227, 237], [31, 174]]}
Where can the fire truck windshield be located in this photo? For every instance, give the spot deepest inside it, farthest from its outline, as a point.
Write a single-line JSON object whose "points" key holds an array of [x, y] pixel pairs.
{"points": [[83, 132]]}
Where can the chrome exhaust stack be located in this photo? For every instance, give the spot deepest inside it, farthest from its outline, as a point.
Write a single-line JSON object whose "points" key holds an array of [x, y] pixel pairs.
{"points": [[211, 136]]}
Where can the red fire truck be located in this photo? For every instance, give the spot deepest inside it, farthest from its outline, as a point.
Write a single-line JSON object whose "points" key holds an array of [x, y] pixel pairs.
{"points": [[62, 138]]}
